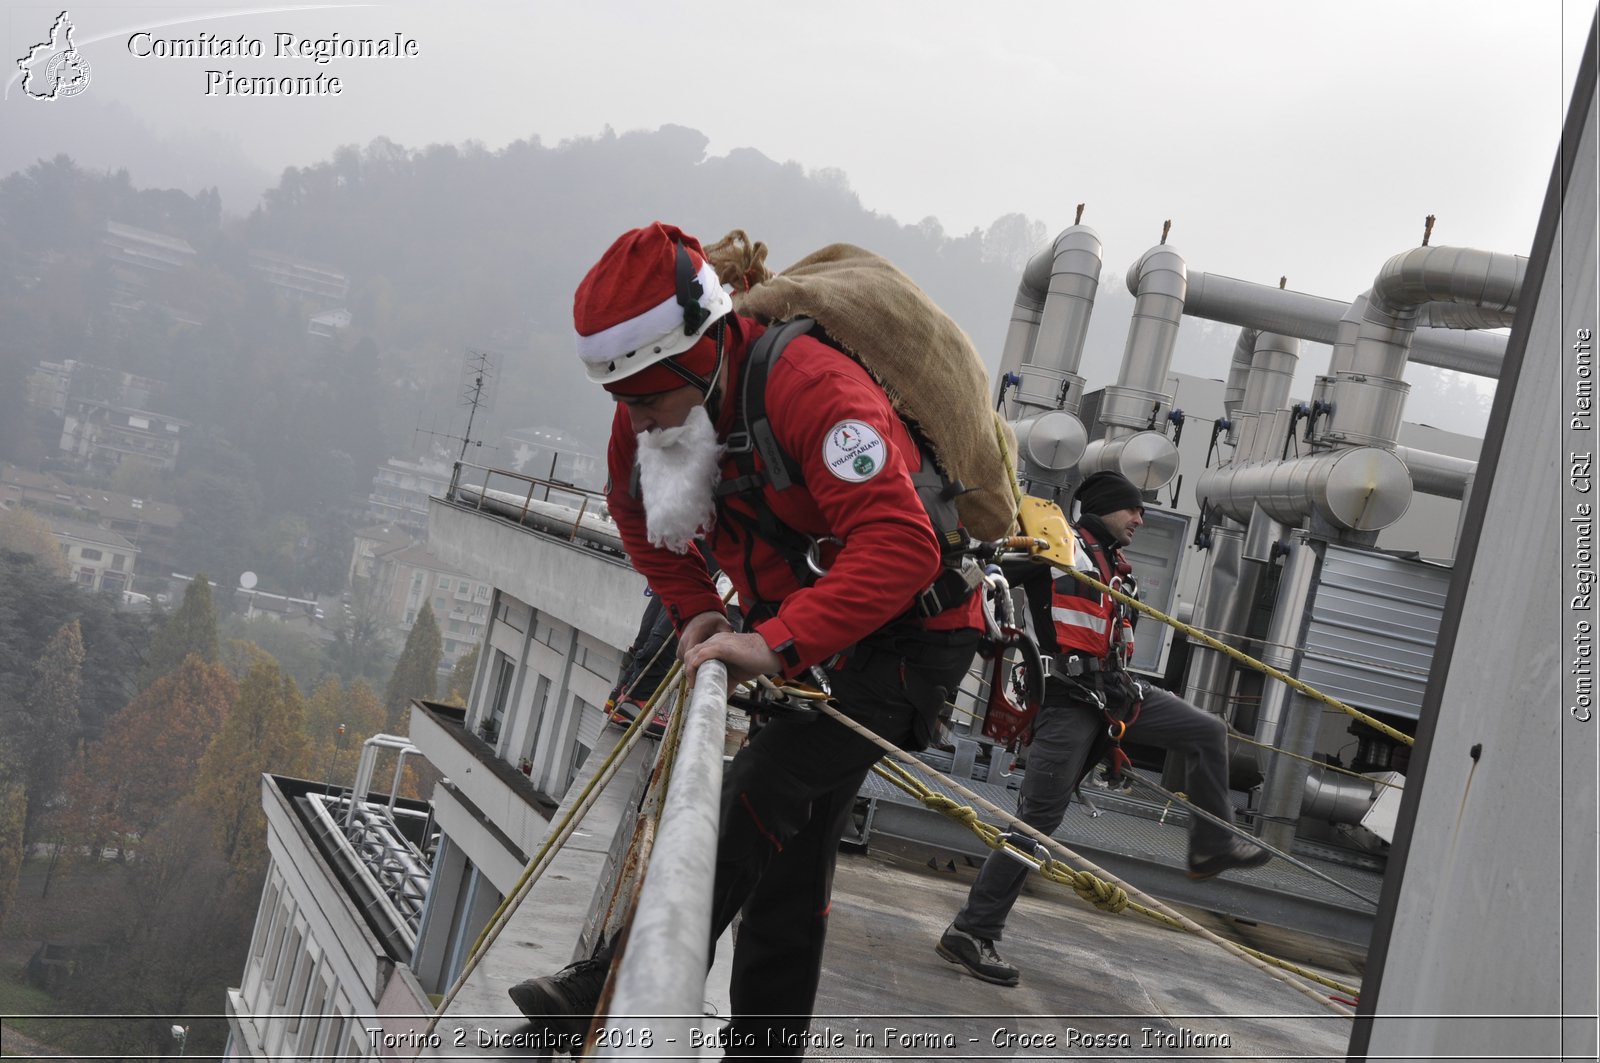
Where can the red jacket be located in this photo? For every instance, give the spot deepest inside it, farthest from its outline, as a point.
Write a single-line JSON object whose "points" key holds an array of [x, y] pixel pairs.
{"points": [[889, 554], [1084, 620]]}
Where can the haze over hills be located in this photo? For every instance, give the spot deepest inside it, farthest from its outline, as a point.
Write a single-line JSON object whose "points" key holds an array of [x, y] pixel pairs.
{"points": [[449, 248]]}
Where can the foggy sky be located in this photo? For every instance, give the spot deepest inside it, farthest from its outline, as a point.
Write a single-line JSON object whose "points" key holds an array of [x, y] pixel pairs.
{"points": [[1307, 140]]}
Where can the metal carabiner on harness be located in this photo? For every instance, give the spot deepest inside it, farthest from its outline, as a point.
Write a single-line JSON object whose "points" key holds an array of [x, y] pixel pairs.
{"points": [[813, 555]]}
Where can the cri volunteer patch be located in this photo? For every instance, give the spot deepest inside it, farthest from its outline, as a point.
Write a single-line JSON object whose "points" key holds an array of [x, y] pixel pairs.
{"points": [[854, 451]]}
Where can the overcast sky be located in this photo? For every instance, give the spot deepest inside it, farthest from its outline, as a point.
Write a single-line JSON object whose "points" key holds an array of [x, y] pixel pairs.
{"points": [[1306, 139]]}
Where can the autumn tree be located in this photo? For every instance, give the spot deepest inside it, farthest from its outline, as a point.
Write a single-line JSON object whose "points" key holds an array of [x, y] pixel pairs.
{"points": [[265, 732], [461, 676], [356, 709], [192, 628], [147, 760], [42, 731], [416, 674], [24, 533]]}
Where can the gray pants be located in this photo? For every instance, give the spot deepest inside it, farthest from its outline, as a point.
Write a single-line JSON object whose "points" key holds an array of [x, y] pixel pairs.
{"points": [[1064, 733]]}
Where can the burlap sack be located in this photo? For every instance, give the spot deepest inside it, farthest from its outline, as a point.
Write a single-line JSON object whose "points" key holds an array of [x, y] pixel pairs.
{"points": [[924, 362]]}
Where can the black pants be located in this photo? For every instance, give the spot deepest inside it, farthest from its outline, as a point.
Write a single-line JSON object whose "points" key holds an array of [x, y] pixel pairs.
{"points": [[785, 801], [1065, 733]]}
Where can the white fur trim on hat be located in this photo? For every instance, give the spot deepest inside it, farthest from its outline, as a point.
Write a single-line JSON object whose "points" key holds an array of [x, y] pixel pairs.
{"points": [[636, 344]]}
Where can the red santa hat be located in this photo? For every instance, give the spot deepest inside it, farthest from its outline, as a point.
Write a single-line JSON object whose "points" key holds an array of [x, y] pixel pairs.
{"points": [[643, 309]]}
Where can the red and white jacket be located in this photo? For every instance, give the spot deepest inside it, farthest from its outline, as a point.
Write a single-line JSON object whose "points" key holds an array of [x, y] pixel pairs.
{"points": [[1084, 620], [889, 553]]}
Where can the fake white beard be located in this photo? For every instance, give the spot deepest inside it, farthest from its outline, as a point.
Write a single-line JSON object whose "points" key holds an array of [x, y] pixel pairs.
{"points": [[678, 473]]}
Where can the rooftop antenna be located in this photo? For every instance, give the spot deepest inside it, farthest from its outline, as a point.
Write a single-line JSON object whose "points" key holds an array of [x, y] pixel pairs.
{"points": [[1078, 220], [1166, 227], [477, 392], [479, 376], [1427, 230]]}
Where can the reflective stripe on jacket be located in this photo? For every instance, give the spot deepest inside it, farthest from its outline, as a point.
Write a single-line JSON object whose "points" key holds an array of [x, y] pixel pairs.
{"points": [[1086, 621]]}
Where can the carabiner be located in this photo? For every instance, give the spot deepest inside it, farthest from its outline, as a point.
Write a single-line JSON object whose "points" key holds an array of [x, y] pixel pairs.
{"points": [[1116, 729], [813, 561]]}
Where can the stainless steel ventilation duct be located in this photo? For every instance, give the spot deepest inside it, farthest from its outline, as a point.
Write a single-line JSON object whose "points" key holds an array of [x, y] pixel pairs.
{"points": [[1135, 408], [1310, 317], [1272, 364], [1356, 489], [1051, 318], [1369, 397], [1244, 349], [1044, 345], [1440, 475]]}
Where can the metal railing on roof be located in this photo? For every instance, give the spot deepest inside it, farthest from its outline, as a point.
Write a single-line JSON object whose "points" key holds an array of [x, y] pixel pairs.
{"points": [[660, 982], [576, 514]]}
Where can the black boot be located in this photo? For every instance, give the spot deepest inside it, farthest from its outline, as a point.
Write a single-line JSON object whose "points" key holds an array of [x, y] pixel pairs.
{"points": [[562, 1005]]}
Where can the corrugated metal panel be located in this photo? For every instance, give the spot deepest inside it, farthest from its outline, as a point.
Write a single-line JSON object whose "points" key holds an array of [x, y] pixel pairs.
{"points": [[1374, 621]]}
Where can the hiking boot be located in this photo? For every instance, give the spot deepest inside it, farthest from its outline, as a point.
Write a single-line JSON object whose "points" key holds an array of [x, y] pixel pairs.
{"points": [[560, 1006], [1239, 853], [977, 955]]}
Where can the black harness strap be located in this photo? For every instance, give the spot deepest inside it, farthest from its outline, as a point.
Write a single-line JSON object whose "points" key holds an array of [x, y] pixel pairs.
{"points": [[752, 435]]}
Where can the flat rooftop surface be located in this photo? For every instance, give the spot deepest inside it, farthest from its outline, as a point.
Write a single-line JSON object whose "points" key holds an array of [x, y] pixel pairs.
{"points": [[1093, 984]]}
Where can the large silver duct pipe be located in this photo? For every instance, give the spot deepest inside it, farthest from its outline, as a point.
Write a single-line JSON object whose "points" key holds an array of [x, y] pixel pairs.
{"points": [[1369, 397], [1337, 798], [1310, 317], [1044, 344], [1058, 286], [1271, 375], [1244, 350], [1439, 475], [1287, 720], [1138, 402], [1356, 489], [1220, 610]]}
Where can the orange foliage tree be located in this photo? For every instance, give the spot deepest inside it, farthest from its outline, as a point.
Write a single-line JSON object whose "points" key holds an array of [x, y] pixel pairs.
{"points": [[265, 732], [149, 756]]}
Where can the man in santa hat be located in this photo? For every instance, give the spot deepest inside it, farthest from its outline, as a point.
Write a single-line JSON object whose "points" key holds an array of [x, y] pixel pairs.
{"points": [[884, 622]]}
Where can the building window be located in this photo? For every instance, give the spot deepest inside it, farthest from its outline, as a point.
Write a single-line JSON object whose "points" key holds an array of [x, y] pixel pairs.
{"points": [[444, 583], [118, 560], [86, 577], [465, 587], [291, 951], [266, 920], [297, 990], [440, 606], [89, 554], [505, 671]]}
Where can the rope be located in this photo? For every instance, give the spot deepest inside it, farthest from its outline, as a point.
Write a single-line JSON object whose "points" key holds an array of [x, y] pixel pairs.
{"points": [[558, 834], [1234, 829], [1103, 895], [1243, 658], [1324, 765], [1105, 891]]}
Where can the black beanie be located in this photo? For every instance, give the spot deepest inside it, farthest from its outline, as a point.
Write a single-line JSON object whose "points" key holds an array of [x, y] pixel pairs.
{"points": [[1107, 492]]}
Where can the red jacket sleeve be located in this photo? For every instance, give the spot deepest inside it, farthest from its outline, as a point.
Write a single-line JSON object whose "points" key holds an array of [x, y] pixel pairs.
{"points": [[681, 580], [855, 455]]}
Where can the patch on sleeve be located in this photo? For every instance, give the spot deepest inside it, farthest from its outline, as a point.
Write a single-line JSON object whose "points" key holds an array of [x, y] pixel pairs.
{"points": [[854, 451]]}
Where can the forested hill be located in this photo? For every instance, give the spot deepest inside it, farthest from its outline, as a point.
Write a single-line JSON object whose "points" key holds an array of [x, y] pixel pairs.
{"points": [[452, 247]]}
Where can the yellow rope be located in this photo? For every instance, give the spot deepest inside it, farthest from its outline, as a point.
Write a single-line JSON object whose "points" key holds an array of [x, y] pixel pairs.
{"points": [[1243, 658], [1324, 765], [1107, 896], [1104, 890]]}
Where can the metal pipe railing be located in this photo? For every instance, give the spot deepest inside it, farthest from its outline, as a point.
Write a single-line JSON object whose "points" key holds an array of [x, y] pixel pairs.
{"points": [[660, 982]]}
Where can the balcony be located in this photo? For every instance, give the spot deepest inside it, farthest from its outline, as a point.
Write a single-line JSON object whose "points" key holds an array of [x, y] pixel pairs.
{"points": [[498, 792]]}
